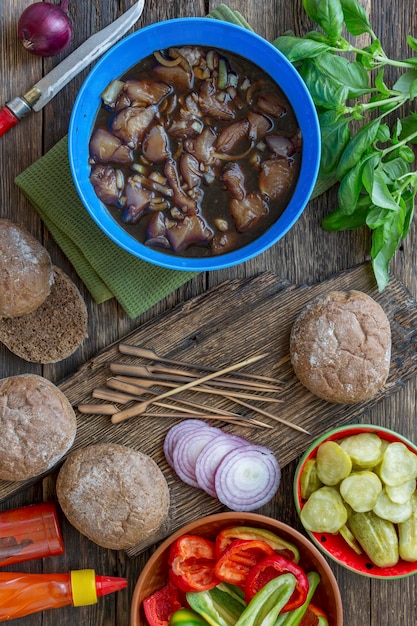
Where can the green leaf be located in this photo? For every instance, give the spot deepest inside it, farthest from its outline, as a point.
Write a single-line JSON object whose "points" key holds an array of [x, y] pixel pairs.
{"points": [[328, 14], [406, 82], [323, 89], [385, 241], [394, 169], [338, 220], [335, 134], [375, 50], [408, 127], [357, 146], [355, 16], [380, 85], [412, 42], [348, 73], [350, 188], [296, 49], [377, 188], [383, 135]]}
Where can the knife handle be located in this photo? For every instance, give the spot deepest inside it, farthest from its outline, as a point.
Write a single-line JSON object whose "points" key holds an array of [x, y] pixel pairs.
{"points": [[7, 120]]}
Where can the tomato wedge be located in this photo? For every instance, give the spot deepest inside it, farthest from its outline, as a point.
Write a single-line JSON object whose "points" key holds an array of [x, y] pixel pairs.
{"points": [[239, 558], [271, 567], [192, 560], [163, 603]]}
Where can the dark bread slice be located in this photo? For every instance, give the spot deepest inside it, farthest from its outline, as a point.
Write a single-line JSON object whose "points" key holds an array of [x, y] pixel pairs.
{"points": [[54, 331]]}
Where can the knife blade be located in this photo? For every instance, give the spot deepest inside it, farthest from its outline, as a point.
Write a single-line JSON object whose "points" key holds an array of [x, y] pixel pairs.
{"points": [[48, 86]]}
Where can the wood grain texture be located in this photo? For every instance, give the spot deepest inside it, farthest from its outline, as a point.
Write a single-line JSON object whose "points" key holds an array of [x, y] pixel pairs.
{"points": [[306, 255]]}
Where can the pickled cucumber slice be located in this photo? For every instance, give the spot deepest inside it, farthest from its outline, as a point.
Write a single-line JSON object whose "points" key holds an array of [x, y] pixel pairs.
{"points": [[333, 463], [349, 537], [309, 480], [377, 537], [407, 534], [361, 490], [392, 511], [398, 464], [324, 511], [401, 493], [365, 449]]}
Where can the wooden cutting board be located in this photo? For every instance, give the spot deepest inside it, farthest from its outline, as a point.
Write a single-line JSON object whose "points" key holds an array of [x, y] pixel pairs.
{"points": [[229, 323]]}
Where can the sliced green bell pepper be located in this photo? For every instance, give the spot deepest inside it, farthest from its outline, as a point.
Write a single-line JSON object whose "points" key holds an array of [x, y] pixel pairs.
{"points": [[220, 606], [293, 618], [265, 606]]}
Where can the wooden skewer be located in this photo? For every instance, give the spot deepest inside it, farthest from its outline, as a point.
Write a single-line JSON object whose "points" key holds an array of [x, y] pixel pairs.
{"points": [[176, 375], [250, 422], [141, 407], [113, 396], [144, 383], [133, 391], [98, 409], [146, 353], [274, 417]]}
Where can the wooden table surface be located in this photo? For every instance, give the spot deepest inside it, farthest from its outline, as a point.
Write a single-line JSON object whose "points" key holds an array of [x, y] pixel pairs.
{"points": [[306, 255]]}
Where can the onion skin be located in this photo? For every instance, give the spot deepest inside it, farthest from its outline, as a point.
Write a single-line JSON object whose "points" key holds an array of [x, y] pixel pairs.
{"points": [[45, 29]]}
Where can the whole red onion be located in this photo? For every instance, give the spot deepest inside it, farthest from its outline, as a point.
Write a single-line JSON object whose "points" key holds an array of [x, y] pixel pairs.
{"points": [[45, 28]]}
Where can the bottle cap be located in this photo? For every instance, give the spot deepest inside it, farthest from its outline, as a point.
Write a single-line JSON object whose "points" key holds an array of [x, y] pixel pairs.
{"points": [[87, 587]]}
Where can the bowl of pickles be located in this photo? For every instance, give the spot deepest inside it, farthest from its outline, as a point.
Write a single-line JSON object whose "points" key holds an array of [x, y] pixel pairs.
{"points": [[355, 492]]}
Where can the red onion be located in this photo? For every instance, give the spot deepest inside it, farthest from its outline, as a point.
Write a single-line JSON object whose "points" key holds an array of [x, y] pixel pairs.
{"points": [[45, 28]]}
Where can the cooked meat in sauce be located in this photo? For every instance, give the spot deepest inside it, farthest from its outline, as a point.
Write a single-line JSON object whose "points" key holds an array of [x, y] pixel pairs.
{"points": [[195, 151]]}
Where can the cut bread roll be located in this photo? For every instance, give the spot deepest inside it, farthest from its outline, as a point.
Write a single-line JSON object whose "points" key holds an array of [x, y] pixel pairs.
{"points": [[54, 330]]}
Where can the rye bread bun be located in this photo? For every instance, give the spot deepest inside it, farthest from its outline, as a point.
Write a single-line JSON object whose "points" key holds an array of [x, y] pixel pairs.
{"points": [[340, 347], [113, 494], [54, 330], [26, 273], [37, 425]]}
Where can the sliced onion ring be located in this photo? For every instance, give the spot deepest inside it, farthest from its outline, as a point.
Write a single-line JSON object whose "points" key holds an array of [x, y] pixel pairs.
{"points": [[174, 435], [210, 457], [247, 478], [188, 448]]}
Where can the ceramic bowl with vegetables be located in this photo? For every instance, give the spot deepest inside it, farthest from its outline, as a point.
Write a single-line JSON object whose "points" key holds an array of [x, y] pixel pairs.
{"points": [[194, 144], [232, 568], [355, 491]]}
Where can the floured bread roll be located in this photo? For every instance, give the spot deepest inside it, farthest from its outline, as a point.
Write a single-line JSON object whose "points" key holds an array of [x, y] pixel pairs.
{"points": [[113, 494], [37, 425], [340, 346]]}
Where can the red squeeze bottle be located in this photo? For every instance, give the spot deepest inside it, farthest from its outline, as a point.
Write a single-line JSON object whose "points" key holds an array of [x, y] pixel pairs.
{"points": [[22, 594], [29, 532]]}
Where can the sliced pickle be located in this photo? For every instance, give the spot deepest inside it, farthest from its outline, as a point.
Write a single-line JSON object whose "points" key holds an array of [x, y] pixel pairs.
{"points": [[324, 511], [377, 537], [365, 449], [392, 511], [361, 490], [309, 480], [333, 463], [398, 464], [401, 493], [349, 537], [407, 534]]}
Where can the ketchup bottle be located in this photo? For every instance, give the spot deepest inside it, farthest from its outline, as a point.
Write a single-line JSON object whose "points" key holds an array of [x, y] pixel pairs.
{"points": [[22, 594], [29, 532]]}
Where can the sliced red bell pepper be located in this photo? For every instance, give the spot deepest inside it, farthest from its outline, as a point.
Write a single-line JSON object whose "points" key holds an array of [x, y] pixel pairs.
{"points": [[163, 603], [192, 560], [281, 546], [271, 567], [239, 558], [314, 616]]}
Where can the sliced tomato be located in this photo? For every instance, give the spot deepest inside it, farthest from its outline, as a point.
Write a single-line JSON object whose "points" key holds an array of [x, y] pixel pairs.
{"points": [[192, 560], [271, 567], [163, 603], [239, 558]]}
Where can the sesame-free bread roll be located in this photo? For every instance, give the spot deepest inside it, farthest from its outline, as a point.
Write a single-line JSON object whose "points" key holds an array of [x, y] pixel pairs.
{"points": [[340, 346], [26, 274], [54, 331], [37, 425], [114, 495]]}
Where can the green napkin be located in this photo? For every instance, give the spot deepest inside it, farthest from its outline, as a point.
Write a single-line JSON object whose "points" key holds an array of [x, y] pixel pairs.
{"points": [[106, 270]]}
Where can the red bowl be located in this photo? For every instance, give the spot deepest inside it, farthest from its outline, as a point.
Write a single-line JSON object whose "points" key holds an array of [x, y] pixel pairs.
{"points": [[155, 573], [333, 545]]}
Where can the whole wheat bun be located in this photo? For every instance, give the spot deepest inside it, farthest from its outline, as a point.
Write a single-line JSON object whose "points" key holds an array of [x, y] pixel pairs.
{"points": [[52, 332], [26, 274], [37, 425], [112, 494], [340, 347]]}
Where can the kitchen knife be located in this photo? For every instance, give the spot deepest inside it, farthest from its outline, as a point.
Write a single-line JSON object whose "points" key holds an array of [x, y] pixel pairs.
{"points": [[48, 86]]}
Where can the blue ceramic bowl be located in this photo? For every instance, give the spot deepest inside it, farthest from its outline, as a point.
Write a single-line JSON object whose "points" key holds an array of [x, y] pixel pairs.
{"points": [[204, 32]]}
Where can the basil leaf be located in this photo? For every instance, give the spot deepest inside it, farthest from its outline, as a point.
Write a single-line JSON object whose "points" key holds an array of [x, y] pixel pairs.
{"points": [[353, 152], [350, 188], [380, 85], [323, 89], [375, 50], [351, 74], [412, 42], [335, 134], [327, 14], [296, 49], [356, 19], [378, 189], [385, 240], [394, 169], [338, 220], [406, 83]]}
